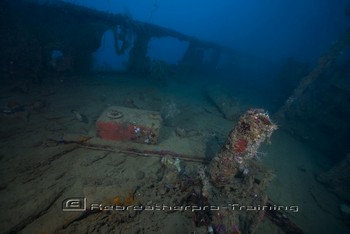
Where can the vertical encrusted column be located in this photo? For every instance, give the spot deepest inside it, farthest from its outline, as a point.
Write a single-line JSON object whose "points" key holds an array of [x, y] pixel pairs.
{"points": [[253, 128]]}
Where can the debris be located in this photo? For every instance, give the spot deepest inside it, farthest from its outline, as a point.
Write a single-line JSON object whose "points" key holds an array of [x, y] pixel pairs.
{"points": [[337, 179], [169, 112], [80, 117], [181, 132], [206, 187], [226, 105], [171, 163], [118, 123], [281, 220], [12, 107]]}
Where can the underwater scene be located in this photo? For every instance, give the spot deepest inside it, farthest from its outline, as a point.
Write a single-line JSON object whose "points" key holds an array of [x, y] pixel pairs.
{"points": [[164, 116]]}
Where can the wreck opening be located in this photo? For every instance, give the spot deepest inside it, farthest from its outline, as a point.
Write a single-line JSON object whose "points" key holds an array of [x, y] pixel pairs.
{"points": [[86, 42]]}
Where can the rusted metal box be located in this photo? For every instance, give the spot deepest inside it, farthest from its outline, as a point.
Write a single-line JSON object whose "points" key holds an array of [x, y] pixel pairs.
{"points": [[126, 124]]}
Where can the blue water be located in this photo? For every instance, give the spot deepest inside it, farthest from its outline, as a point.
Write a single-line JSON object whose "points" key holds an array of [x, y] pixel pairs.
{"points": [[62, 64]]}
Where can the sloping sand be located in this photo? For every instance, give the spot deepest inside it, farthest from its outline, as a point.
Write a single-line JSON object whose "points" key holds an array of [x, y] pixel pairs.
{"points": [[38, 173]]}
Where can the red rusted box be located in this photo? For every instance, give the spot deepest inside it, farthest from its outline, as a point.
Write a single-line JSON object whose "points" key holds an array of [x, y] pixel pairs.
{"points": [[126, 124]]}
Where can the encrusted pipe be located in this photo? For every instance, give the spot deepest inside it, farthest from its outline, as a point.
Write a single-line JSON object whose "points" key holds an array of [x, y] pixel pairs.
{"points": [[252, 129]]}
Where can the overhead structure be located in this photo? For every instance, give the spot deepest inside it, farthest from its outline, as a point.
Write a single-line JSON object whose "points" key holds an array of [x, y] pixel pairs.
{"points": [[61, 37]]}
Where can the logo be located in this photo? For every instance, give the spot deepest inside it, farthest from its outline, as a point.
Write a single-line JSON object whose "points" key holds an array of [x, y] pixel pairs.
{"points": [[74, 204]]}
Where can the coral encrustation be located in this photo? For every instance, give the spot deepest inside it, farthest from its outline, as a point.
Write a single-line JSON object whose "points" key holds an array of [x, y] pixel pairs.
{"points": [[240, 145]]}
